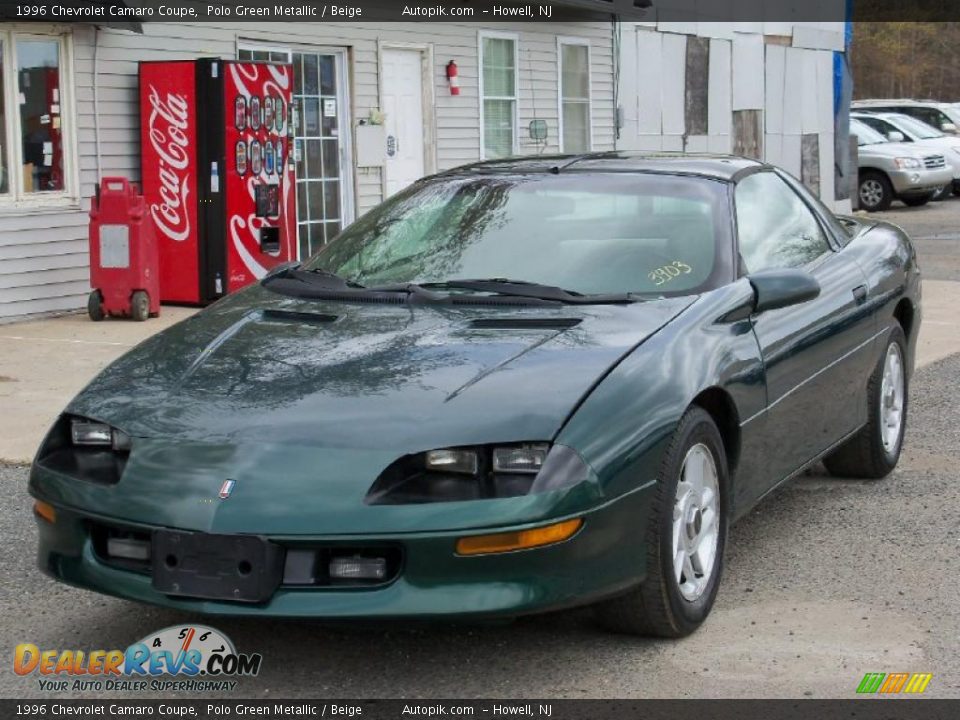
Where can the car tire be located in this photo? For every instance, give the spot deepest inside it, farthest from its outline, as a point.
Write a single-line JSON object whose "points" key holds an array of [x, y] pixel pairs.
{"points": [[874, 191], [956, 188], [665, 605], [95, 306], [943, 193], [918, 200], [140, 306], [875, 450]]}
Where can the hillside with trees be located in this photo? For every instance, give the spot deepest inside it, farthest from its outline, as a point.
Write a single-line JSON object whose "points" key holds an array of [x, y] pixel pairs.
{"points": [[906, 60]]}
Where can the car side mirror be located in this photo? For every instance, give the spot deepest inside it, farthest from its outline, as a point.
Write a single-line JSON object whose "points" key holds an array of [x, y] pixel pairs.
{"points": [[774, 289], [949, 127], [896, 136]]}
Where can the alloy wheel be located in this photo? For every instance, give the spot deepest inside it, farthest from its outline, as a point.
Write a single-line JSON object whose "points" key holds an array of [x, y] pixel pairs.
{"points": [[892, 393], [696, 522]]}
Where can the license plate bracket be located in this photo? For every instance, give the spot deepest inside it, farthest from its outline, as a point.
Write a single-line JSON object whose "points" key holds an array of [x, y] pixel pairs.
{"points": [[241, 568]]}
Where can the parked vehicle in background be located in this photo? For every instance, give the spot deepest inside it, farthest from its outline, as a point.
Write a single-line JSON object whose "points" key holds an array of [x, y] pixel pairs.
{"points": [[901, 171], [901, 128], [942, 116]]}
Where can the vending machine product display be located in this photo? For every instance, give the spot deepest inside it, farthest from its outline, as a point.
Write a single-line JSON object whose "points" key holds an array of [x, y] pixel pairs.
{"points": [[217, 172]]}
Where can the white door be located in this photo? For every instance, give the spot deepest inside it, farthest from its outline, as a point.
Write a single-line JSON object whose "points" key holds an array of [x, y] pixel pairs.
{"points": [[402, 98]]}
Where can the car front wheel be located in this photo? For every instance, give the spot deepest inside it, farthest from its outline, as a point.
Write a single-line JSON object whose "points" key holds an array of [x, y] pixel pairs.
{"points": [[685, 538], [875, 450], [875, 191]]}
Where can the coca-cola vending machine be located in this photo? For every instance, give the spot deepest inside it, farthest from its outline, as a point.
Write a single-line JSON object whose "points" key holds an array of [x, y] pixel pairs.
{"points": [[217, 172]]}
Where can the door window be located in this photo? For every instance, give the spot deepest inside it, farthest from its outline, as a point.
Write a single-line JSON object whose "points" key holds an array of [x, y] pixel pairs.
{"points": [[882, 126], [776, 228]]}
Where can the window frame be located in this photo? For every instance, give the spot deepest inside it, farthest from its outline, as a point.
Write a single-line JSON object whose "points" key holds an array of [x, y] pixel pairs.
{"points": [[790, 183], [563, 40], [16, 199], [515, 38], [254, 46]]}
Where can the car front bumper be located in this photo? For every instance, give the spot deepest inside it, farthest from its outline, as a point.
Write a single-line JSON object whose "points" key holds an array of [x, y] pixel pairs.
{"points": [[603, 558], [920, 181]]}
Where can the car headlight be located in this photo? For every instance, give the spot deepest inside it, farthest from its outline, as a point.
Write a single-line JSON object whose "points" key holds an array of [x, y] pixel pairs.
{"points": [[478, 473], [905, 163], [92, 433]]}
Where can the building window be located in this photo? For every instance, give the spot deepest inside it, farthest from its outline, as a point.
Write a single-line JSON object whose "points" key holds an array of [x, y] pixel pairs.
{"points": [[574, 60], [34, 144], [498, 93]]}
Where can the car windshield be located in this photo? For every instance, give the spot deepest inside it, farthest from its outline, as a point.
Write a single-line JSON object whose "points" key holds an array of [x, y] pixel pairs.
{"points": [[866, 135], [585, 232], [919, 130]]}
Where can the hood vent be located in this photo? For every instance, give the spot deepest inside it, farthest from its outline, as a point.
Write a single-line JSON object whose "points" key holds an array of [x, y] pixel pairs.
{"points": [[291, 316], [522, 323]]}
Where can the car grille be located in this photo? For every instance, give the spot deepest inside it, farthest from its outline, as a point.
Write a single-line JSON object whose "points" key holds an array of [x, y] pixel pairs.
{"points": [[932, 162]]}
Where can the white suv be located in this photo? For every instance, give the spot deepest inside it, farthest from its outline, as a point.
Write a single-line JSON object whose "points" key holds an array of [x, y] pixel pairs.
{"points": [[942, 116], [901, 128]]}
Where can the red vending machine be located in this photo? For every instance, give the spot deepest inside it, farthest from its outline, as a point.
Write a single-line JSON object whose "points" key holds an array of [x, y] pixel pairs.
{"points": [[217, 172]]}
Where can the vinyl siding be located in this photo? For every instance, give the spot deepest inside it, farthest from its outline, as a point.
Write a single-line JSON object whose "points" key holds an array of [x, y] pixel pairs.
{"points": [[43, 253]]}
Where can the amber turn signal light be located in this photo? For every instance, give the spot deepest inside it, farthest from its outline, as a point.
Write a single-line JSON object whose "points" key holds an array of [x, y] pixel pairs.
{"points": [[519, 540], [45, 511]]}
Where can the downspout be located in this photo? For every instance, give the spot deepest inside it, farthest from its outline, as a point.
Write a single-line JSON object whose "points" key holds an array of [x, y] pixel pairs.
{"points": [[96, 99], [615, 51]]}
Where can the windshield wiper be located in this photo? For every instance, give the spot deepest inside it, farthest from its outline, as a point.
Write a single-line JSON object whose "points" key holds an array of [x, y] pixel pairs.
{"points": [[527, 289], [317, 277]]}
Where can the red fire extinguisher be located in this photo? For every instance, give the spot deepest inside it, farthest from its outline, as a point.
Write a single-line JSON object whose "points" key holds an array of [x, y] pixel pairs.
{"points": [[452, 78]]}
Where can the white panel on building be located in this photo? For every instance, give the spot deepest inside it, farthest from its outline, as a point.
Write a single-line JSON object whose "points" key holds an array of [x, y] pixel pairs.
{"points": [[649, 143], [825, 113], [776, 56], [792, 103], [673, 143], [720, 144], [673, 88], [790, 154], [719, 117], [747, 75], [808, 92], [649, 77], [773, 148], [697, 144]]}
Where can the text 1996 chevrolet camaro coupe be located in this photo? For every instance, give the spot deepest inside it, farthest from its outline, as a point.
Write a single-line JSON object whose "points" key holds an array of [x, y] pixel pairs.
{"points": [[513, 387]]}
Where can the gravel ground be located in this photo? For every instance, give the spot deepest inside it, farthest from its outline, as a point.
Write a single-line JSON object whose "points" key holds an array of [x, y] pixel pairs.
{"points": [[825, 581]]}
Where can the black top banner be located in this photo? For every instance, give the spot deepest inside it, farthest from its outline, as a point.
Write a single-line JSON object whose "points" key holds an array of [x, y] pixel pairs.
{"points": [[132, 12]]}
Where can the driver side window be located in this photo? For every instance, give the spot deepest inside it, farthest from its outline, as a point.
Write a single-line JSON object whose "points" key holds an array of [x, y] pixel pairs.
{"points": [[776, 228]]}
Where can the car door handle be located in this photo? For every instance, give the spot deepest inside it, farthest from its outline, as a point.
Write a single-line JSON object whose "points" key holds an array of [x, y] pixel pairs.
{"points": [[860, 294]]}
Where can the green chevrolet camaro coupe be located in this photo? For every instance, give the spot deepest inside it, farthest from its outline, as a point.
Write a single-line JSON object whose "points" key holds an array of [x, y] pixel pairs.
{"points": [[513, 387]]}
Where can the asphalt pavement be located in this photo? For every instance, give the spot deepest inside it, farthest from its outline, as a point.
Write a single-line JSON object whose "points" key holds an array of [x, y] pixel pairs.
{"points": [[826, 580]]}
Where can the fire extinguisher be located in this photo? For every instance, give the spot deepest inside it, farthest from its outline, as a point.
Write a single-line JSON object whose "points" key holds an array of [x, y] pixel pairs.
{"points": [[452, 78]]}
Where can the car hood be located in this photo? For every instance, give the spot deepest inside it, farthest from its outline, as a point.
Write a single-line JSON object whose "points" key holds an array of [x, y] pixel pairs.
{"points": [[258, 367], [891, 150]]}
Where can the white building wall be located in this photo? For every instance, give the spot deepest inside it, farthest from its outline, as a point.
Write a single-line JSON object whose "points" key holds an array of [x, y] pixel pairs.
{"points": [[43, 249], [783, 70]]}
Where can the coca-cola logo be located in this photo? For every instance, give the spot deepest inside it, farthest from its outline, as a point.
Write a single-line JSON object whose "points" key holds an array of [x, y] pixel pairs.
{"points": [[167, 129]]}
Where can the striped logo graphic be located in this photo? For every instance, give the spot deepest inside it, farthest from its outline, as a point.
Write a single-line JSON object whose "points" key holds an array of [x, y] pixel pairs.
{"points": [[893, 683], [227, 488]]}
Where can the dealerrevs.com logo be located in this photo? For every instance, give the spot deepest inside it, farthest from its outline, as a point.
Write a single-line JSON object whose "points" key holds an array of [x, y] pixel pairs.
{"points": [[180, 657]]}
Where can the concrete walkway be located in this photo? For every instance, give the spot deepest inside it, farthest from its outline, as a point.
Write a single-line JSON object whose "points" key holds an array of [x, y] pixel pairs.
{"points": [[44, 363]]}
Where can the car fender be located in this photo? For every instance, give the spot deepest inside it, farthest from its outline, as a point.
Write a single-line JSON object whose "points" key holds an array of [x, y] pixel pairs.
{"points": [[622, 427]]}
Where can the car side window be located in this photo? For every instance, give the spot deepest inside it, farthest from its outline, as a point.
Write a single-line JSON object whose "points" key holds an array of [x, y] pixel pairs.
{"points": [[776, 228], [883, 127]]}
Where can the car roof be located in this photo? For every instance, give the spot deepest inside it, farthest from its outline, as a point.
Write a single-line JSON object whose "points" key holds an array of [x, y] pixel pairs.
{"points": [[894, 101], [713, 166]]}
